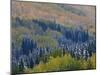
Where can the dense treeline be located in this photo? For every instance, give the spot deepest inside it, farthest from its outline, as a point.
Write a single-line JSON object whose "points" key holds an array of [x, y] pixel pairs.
{"points": [[64, 63], [28, 51]]}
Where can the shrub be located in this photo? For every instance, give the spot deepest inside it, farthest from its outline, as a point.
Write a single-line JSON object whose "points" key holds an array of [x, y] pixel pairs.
{"points": [[92, 62], [65, 63]]}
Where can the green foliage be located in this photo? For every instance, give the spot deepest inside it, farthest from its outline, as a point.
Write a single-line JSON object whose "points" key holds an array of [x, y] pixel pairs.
{"points": [[17, 69], [92, 62], [44, 41], [56, 52], [55, 61], [63, 63]]}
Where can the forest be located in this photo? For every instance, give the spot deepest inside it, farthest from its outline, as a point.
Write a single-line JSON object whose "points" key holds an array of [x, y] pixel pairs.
{"points": [[40, 45]]}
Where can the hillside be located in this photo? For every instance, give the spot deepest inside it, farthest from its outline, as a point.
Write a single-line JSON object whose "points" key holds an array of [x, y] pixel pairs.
{"points": [[63, 14], [50, 37]]}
